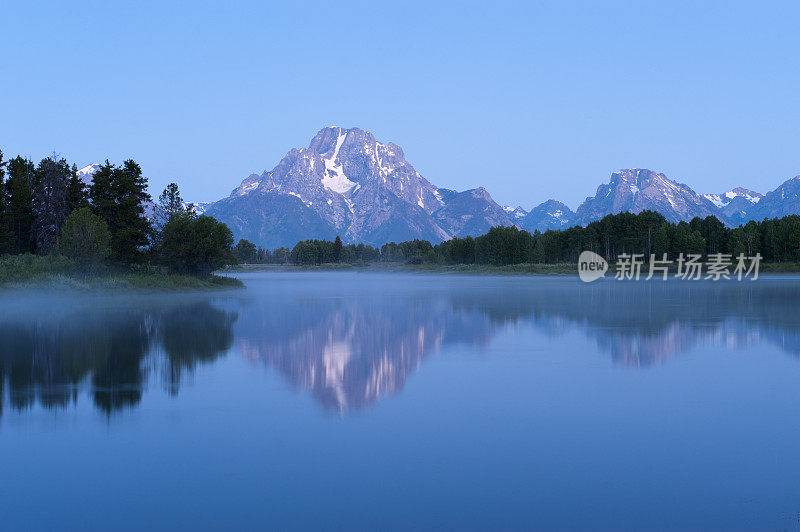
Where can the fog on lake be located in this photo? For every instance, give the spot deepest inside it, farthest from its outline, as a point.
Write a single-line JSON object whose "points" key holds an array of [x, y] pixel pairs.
{"points": [[470, 401]]}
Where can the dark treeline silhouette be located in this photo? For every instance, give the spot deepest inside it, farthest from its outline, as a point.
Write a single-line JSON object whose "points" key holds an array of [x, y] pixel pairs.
{"points": [[49, 359], [47, 210], [647, 233], [308, 252]]}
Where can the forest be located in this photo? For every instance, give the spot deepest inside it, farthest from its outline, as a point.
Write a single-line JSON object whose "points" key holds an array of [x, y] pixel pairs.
{"points": [[647, 233], [53, 223]]}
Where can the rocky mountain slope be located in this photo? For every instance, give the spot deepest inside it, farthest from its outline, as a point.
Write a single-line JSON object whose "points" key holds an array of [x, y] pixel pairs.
{"points": [[735, 206], [782, 201], [637, 189], [551, 214], [346, 183]]}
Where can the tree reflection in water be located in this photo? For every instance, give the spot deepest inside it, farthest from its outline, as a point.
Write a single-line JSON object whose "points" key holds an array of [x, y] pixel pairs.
{"points": [[49, 356], [349, 341]]}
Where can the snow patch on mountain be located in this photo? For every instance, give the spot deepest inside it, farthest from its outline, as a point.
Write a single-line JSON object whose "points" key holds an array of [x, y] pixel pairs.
{"points": [[722, 200], [716, 199], [637, 189], [549, 215], [515, 212], [335, 178]]}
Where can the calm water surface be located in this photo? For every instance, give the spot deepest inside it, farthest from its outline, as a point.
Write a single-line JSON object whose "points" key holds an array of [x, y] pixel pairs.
{"points": [[369, 401]]}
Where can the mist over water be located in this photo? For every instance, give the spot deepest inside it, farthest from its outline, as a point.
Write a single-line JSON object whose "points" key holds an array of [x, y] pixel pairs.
{"points": [[395, 401]]}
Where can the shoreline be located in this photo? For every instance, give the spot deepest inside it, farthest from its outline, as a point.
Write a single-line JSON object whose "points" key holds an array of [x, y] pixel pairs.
{"points": [[563, 269], [124, 282], [160, 282], [518, 269], [23, 272]]}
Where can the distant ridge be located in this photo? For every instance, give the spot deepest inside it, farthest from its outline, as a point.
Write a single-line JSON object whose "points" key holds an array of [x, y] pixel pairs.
{"points": [[349, 184]]}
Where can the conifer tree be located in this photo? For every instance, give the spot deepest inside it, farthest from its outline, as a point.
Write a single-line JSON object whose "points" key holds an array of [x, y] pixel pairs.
{"points": [[19, 191], [118, 195], [101, 194], [169, 204], [337, 249], [6, 236], [50, 202], [77, 193], [134, 229]]}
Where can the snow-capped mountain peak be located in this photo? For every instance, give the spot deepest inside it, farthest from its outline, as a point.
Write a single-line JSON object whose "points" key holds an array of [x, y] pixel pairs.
{"points": [[349, 184], [86, 174], [515, 212], [721, 200], [637, 189], [551, 214]]}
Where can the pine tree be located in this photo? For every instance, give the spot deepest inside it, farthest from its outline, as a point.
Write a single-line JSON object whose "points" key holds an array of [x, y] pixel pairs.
{"points": [[118, 196], [135, 228], [169, 203], [697, 244], [77, 194], [101, 194], [337, 249], [50, 202], [6, 235], [661, 241], [19, 190]]}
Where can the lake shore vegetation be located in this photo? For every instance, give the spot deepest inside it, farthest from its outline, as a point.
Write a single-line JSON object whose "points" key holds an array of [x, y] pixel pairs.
{"points": [[58, 230], [510, 249]]}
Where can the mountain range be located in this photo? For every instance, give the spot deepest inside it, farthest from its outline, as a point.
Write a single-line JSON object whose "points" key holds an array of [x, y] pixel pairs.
{"points": [[349, 184]]}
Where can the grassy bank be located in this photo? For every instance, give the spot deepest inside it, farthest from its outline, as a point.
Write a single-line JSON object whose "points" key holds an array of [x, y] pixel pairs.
{"points": [[29, 271]]}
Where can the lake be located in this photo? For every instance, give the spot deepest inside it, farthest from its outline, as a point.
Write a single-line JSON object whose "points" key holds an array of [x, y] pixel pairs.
{"points": [[342, 400]]}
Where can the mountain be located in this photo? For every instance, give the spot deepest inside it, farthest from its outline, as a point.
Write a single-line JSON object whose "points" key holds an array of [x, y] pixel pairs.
{"points": [[472, 212], [516, 213], [637, 189], [197, 208], [86, 174], [782, 201], [722, 200], [735, 206], [346, 183], [551, 214]]}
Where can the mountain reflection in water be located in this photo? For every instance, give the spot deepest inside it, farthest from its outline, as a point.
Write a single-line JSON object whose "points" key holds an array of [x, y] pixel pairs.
{"points": [[350, 339]]}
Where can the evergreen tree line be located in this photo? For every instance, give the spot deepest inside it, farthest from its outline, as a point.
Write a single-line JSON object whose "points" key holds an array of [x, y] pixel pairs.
{"points": [[46, 209], [647, 233]]}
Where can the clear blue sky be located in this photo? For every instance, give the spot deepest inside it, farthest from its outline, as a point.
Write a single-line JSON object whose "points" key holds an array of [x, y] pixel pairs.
{"points": [[532, 100]]}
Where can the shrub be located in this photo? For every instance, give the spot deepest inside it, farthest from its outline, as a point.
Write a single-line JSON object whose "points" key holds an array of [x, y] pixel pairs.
{"points": [[86, 240], [196, 244], [29, 268]]}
